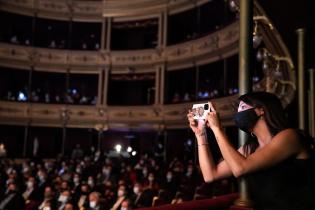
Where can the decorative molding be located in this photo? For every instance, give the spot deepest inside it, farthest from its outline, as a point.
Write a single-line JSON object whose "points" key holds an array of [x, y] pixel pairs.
{"points": [[88, 116], [94, 11], [284, 84], [212, 45]]}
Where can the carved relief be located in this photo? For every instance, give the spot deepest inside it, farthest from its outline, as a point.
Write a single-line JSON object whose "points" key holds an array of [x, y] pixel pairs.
{"points": [[53, 6]]}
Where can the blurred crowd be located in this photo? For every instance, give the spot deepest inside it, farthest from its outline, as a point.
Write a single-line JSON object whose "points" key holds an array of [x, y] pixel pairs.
{"points": [[96, 181], [72, 96], [89, 43], [201, 95]]}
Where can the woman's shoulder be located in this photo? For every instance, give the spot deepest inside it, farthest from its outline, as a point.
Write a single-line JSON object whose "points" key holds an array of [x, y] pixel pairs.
{"points": [[294, 133], [289, 133], [302, 139]]}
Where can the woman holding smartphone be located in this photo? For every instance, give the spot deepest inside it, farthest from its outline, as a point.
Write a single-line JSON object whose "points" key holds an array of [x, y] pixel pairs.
{"points": [[278, 164]]}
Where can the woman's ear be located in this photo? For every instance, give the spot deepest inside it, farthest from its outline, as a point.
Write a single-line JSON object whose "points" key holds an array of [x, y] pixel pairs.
{"points": [[261, 111]]}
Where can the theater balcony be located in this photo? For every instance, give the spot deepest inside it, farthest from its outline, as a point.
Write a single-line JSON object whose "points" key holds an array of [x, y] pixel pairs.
{"points": [[96, 73]]}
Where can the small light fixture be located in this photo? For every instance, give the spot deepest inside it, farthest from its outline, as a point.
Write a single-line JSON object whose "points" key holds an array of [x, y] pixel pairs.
{"points": [[118, 148], [129, 149], [233, 6]]}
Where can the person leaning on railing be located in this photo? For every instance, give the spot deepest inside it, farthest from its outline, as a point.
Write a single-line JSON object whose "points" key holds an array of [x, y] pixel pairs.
{"points": [[278, 162]]}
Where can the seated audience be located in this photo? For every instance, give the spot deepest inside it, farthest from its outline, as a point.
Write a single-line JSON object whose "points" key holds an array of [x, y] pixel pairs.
{"points": [[87, 182]]}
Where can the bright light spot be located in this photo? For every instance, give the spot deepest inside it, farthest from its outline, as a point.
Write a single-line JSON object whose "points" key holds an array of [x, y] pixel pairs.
{"points": [[118, 148], [129, 149], [134, 153], [189, 142], [21, 97]]}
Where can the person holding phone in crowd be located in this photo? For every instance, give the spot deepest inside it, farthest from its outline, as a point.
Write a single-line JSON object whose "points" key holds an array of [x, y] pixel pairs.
{"points": [[277, 162]]}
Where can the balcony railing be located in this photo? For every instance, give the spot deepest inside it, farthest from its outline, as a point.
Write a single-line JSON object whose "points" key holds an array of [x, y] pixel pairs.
{"points": [[212, 46], [95, 10], [171, 116]]}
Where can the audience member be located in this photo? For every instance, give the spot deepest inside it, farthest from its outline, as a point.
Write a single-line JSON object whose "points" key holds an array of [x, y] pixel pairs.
{"points": [[12, 199], [86, 182], [3, 151], [95, 201]]}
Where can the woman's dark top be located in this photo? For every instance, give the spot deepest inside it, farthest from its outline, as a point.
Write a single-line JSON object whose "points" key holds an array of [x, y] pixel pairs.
{"points": [[289, 185]]}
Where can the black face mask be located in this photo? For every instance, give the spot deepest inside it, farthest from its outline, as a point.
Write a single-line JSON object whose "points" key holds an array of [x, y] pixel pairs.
{"points": [[246, 120]]}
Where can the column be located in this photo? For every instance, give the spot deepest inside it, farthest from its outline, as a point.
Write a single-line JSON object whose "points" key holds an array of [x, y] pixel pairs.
{"points": [[245, 50], [100, 85], [301, 77], [103, 34], [108, 33], [26, 131], [105, 87], [311, 102], [162, 83], [160, 30], [157, 85], [165, 25]]}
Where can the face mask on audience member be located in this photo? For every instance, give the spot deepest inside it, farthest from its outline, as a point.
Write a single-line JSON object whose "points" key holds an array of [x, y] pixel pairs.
{"points": [[98, 154], [151, 178], [25, 169], [29, 184], [107, 160], [76, 180], [63, 198], [189, 171], [41, 178], [47, 165], [120, 193], [92, 204], [169, 177], [106, 171], [145, 172], [46, 208], [78, 170], [136, 190], [9, 181], [123, 208], [90, 182], [246, 120]]}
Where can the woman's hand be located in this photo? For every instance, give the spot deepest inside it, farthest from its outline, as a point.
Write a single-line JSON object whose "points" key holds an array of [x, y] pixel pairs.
{"points": [[197, 126], [212, 118]]}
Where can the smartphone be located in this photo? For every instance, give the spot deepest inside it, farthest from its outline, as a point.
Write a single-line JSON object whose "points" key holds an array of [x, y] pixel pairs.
{"points": [[200, 111]]}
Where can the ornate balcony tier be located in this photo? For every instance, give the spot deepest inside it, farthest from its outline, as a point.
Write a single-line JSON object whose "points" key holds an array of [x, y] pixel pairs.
{"points": [[279, 79], [171, 116], [216, 45], [96, 10]]}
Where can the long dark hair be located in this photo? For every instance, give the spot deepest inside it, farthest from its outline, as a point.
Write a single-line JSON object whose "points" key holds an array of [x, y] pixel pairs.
{"points": [[274, 115]]}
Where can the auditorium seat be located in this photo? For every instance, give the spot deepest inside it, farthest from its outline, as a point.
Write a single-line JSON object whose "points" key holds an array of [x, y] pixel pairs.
{"points": [[240, 208], [160, 199], [219, 203]]}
